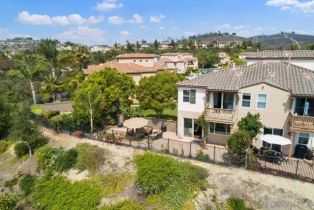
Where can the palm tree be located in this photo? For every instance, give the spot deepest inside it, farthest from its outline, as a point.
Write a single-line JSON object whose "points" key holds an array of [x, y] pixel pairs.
{"points": [[48, 48], [52, 86], [82, 55], [29, 67]]}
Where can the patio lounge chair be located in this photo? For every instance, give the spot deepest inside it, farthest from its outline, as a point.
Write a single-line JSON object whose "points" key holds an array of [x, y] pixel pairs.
{"points": [[270, 155]]}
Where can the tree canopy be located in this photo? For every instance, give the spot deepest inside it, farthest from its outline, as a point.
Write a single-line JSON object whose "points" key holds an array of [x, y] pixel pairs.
{"points": [[103, 93], [251, 123], [158, 92]]}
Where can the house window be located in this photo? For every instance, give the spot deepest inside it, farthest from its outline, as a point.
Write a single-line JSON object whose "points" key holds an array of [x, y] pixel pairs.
{"points": [[219, 128], [223, 100], [246, 100], [304, 138], [189, 96], [273, 131], [261, 101]]}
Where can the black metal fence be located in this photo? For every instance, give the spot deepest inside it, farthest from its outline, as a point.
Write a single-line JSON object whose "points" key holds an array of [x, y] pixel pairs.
{"points": [[296, 169]]}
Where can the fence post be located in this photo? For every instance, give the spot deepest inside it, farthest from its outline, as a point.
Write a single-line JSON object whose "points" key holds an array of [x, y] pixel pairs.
{"points": [[113, 137], [190, 156], [148, 142], [168, 146], [214, 153], [297, 167]]}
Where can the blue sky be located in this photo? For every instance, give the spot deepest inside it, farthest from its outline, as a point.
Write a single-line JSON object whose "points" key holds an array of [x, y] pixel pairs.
{"points": [[108, 21]]}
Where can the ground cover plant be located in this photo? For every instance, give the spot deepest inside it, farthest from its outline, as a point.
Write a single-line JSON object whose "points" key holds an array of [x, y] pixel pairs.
{"points": [[170, 183]]}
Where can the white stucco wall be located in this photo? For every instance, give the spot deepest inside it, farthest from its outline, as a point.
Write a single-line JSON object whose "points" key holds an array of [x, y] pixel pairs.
{"points": [[309, 64], [187, 110]]}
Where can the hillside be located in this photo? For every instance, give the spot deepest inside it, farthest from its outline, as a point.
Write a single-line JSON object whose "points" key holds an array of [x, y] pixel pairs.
{"points": [[275, 41], [284, 40], [222, 38]]}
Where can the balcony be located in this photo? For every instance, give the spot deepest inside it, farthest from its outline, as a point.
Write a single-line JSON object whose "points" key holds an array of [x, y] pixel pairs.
{"points": [[220, 115], [302, 123]]}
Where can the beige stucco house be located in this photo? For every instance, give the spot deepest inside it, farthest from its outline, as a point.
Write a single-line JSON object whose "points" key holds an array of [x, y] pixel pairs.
{"points": [[179, 62], [282, 93], [136, 65]]}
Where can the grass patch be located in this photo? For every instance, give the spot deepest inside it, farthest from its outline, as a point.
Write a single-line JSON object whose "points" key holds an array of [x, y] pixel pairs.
{"points": [[4, 145], [27, 184], [124, 205], [37, 110], [170, 114], [170, 183], [59, 193]]}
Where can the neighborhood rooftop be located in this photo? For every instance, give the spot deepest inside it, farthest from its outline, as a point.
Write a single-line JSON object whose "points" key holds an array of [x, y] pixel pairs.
{"points": [[299, 81], [137, 55], [282, 54], [128, 68]]}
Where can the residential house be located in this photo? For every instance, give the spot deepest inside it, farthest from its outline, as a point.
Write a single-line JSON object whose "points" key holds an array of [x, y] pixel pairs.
{"points": [[282, 93], [137, 65], [145, 46], [245, 55], [165, 45], [100, 48], [179, 62], [224, 58], [303, 58]]}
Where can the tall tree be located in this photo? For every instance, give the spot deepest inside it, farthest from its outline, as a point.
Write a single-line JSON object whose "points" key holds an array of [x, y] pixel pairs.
{"points": [[158, 92], [156, 44], [103, 93], [82, 55], [48, 48], [29, 67]]}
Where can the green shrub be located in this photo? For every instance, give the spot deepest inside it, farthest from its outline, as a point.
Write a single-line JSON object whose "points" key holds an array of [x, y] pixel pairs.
{"points": [[251, 124], [124, 205], [21, 149], [7, 201], [236, 204], [90, 157], [202, 156], [64, 122], [51, 114], [59, 193], [26, 184], [56, 159], [4, 145], [174, 181], [129, 112], [238, 143], [114, 184]]}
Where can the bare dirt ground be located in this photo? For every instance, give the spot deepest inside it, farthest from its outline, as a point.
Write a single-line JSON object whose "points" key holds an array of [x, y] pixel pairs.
{"points": [[261, 191]]}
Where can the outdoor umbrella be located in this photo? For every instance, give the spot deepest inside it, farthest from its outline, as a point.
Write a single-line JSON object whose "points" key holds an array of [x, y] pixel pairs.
{"points": [[136, 122], [275, 139]]}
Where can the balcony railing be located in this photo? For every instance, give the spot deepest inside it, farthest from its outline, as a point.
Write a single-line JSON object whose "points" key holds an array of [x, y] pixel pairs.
{"points": [[220, 115], [302, 123]]}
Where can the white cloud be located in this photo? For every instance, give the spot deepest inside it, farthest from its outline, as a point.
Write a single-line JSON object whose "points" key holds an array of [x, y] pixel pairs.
{"points": [[137, 19], [293, 5], [107, 5], [125, 34], [223, 27], [162, 28], [157, 18], [241, 30], [76, 19], [189, 33], [7, 34], [116, 20], [83, 34]]}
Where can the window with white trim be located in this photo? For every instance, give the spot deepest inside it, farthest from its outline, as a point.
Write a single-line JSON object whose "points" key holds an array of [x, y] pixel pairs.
{"points": [[261, 101], [189, 96], [304, 138], [219, 128], [246, 100]]}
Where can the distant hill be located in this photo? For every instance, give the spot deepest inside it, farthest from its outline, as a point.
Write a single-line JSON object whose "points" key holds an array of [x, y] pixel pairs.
{"points": [[222, 38], [277, 41], [283, 40]]}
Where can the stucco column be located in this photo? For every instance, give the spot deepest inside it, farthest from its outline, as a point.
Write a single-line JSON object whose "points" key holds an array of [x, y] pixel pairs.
{"points": [[292, 137]]}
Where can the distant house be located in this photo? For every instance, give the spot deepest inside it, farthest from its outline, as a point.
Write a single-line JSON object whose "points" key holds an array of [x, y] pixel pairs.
{"points": [[179, 62], [145, 46], [246, 54], [302, 58], [224, 58], [100, 48], [136, 65], [165, 45]]}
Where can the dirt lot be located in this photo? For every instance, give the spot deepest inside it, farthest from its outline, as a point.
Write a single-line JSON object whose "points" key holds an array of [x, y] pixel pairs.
{"points": [[261, 191]]}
